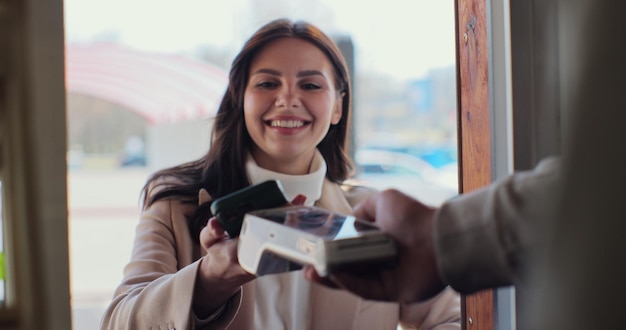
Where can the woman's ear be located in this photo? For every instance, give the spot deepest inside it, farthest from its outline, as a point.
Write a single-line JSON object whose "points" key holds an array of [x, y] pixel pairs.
{"points": [[337, 109]]}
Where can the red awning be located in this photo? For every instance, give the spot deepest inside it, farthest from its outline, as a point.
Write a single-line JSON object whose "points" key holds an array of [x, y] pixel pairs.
{"points": [[163, 88]]}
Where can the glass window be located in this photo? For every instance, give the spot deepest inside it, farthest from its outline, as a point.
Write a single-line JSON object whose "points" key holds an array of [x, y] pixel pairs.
{"points": [[145, 83]]}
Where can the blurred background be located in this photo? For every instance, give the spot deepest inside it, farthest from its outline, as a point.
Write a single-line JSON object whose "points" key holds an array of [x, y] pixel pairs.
{"points": [[144, 79]]}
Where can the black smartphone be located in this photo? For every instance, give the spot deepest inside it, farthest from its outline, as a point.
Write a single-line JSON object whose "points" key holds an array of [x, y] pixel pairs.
{"points": [[230, 209]]}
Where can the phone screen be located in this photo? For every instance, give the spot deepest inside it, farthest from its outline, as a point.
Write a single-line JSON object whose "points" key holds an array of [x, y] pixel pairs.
{"points": [[318, 221]]}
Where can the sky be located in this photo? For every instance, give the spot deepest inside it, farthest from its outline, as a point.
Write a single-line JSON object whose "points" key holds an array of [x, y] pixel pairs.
{"points": [[403, 38]]}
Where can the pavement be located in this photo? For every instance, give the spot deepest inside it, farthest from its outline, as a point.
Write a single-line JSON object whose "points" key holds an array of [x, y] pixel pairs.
{"points": [[103, 213]]}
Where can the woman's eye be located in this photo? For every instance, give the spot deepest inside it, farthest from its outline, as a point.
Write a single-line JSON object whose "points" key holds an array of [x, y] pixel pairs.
{"points": [[310, 86], [266, 84]]}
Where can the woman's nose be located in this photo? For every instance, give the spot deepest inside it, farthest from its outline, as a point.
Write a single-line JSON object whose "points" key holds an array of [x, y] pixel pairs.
{"points": [[287, 98]]}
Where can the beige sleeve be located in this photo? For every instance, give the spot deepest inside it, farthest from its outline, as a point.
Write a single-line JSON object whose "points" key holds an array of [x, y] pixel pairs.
{"points": [[153, 292], [157, 287]]}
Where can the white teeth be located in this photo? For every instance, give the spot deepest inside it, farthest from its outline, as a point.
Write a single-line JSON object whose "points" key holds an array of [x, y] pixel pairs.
{"points": [[287, 123]]}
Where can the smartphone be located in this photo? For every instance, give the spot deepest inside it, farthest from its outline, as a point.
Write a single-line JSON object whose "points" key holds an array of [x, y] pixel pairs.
{"points": [[230, 209], [283, 239]]}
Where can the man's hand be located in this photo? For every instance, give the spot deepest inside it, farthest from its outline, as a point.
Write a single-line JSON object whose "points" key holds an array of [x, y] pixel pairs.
{"points": [[415, 276]]}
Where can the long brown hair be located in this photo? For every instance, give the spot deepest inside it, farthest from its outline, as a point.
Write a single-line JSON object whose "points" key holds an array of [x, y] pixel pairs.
{"points": [[222, 169]]}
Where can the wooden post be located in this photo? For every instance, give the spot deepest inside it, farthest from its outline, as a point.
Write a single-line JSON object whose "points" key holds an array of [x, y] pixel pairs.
{"points": [[474, 129]]}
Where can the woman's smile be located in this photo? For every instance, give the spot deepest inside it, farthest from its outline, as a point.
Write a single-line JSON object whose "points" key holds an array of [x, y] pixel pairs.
{"points": [[287, 123]]}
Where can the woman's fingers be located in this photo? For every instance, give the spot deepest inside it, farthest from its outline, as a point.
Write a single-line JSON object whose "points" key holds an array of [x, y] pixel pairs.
{"points": [[311, 275], [212, 233], [215, 240], [298, 200]]}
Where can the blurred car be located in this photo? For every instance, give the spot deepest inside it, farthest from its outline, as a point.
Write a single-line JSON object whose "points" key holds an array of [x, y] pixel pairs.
{"points": [[133, 160], [383, 169], [134, 153]]}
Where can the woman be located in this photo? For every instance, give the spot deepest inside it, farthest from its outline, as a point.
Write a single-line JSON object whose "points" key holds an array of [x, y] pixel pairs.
{"points": [[284, 116]]}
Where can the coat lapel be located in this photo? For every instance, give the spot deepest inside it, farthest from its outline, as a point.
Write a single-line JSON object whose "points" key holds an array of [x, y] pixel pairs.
{"points": [[333, 198]]}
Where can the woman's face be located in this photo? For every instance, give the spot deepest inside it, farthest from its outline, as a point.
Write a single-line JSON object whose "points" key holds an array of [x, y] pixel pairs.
{"points": [[289, 104]]}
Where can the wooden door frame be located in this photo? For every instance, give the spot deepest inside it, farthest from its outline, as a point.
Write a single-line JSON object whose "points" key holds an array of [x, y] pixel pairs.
{"points": [[33, 166], [474, 129], [515, 62]]}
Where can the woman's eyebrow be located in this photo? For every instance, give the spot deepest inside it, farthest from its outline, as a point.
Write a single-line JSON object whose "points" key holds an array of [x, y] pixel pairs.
{"points": [[304, 73], [310, 73], [268, 71]]}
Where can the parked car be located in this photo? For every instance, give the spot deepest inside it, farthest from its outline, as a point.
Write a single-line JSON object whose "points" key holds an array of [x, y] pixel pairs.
{"points": [[383, 169]]}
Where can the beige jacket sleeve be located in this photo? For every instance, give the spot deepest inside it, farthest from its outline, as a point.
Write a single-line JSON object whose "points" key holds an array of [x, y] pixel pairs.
{"points": [[484, 237], [158, 283]]}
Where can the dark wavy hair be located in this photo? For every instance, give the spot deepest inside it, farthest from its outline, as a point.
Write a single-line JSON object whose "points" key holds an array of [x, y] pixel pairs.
{"points": [[222, 169]]}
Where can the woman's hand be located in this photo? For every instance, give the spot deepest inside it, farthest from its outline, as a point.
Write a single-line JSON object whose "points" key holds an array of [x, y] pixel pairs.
{"points": [[298, 200], [220, 276]]}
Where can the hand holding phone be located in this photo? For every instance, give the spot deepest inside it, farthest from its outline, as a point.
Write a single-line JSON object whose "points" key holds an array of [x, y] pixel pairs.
{"points": [[230, 209]]}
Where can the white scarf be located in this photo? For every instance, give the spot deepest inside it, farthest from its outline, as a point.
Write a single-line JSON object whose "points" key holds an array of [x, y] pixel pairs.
{"points": [[309, 184], [290, 292]]}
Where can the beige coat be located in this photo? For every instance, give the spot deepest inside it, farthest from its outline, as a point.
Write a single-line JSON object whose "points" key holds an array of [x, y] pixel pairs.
{"points": [[157, 288]]}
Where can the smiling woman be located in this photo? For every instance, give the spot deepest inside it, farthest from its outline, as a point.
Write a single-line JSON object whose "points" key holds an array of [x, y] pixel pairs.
{"points": [[182, 259], [404, 95]]}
